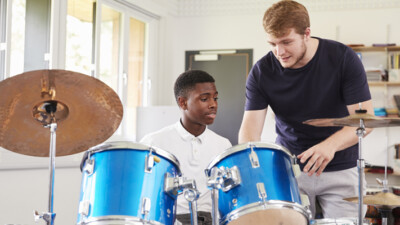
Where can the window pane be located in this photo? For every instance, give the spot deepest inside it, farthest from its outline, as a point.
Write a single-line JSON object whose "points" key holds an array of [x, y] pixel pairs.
{"points": [[135, 71], [79, 40], [109, 46], [17, 37]]}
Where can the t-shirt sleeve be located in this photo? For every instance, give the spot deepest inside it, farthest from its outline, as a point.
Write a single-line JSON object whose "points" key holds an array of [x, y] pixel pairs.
{"points": [[355, 83], [255, 99]]}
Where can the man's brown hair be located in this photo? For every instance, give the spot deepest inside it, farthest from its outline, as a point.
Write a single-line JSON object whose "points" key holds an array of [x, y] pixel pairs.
{"points": [[283, 15]]}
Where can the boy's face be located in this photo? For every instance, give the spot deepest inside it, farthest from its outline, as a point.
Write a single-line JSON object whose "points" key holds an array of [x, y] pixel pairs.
{"points": [[200, 105]]}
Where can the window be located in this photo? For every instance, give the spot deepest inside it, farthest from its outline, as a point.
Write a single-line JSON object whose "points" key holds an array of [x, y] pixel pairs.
{"points": [[79, 55]]}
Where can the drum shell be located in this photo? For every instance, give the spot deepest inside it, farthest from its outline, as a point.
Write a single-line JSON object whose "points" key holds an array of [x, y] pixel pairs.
{"points": [[275, 172], [119, 183]]}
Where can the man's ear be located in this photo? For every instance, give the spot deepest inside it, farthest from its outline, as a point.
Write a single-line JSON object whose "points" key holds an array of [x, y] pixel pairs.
{"points": [[182, 102]]}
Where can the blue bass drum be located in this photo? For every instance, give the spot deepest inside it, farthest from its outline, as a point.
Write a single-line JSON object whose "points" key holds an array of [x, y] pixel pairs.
{"points": [[256, 184], [123, 183]]}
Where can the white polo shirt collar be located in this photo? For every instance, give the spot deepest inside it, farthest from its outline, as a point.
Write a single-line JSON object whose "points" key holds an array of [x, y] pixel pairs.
{"points": [[186, 136]]}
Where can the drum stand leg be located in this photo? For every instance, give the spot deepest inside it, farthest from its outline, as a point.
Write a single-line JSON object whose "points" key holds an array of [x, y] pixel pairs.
{"points": [[50, 216], [215, 213], [360, 165], [191, 195]]}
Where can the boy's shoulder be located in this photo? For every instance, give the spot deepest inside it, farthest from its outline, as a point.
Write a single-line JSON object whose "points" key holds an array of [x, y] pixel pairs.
{"points": [[163, 132]]}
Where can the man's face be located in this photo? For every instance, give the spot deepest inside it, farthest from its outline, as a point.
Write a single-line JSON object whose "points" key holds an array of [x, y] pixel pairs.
{"points": [[201, 104], [290, 49]]}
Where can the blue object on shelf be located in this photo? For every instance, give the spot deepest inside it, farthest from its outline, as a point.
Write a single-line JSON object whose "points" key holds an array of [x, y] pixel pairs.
{"points": [[380, 112]]}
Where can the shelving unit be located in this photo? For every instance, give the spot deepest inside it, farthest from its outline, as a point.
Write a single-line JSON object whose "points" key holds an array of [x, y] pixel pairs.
{"points": [[381, 140]]}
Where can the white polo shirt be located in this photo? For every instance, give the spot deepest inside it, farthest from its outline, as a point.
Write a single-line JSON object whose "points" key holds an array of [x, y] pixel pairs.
{"points": [[194, 154]]}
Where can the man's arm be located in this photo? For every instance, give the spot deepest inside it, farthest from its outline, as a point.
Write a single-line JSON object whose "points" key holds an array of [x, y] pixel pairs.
{"points": [[252, 125], [321, 154]]}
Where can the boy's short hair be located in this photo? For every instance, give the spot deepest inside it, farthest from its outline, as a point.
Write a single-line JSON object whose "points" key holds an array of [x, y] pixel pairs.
{"points": [[188, 80], [283, 15]]}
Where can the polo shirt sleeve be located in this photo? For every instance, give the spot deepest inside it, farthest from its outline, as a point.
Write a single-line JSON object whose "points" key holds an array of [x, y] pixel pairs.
{"points": [[255, 99], [355, 87]]}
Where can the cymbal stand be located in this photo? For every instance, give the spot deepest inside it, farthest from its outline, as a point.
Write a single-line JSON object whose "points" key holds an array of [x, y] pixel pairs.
{"points": [[360, 164], [50, 216]]}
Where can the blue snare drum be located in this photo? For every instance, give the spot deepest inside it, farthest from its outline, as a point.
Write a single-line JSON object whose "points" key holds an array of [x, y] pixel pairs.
{"points": [[257, 185], [123, 183]]}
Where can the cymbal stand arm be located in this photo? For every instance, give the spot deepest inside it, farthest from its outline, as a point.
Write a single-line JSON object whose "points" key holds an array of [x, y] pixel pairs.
{"points": [[360, 133]]}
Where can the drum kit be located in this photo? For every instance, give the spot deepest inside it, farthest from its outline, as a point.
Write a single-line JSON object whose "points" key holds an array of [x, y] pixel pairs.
{"points": [[131, 183]]}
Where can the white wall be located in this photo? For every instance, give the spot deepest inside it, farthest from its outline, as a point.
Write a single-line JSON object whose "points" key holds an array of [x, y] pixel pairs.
{"points": [[22, 191]]}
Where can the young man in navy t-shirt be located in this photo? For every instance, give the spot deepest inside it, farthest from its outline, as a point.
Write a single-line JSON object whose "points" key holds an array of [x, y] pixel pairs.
{"points": [[302, 78]]}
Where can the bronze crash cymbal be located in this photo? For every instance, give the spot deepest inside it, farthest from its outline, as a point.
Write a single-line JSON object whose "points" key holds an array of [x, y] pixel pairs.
{"points": [[353, 120], [86, 110], [381, 199]]}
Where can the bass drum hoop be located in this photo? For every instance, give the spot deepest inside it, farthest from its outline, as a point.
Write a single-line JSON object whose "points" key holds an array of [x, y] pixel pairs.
{"points": [[117, 220]]}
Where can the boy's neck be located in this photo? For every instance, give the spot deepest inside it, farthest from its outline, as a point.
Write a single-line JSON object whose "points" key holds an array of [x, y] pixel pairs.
{"points": [[194, 129]]}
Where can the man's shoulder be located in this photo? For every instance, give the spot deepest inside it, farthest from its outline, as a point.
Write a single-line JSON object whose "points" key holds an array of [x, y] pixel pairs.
{"points": [[328, 43]]}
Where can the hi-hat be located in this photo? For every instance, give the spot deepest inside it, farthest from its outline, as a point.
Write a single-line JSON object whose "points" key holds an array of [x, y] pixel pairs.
{"points": [[353, 120], [86, 110], [382, 199]]}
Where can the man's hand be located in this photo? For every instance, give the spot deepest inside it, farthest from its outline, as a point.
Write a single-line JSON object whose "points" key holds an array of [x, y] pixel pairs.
{"points": [[319, 156]]}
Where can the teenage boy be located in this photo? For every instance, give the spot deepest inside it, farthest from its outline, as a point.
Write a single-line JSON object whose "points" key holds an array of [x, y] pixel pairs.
{"points": [[189, 139]]}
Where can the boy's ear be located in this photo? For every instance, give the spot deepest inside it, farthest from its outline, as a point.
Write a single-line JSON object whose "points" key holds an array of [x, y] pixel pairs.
{"points": [[182, 102]]}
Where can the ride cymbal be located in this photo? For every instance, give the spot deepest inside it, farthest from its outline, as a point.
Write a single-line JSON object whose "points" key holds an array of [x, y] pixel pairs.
{"points": [[384, 199], [86, 110], [353, 120]]}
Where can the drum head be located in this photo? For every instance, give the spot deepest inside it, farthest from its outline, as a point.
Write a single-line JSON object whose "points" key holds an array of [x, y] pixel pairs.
{"points": [[271, 217]]}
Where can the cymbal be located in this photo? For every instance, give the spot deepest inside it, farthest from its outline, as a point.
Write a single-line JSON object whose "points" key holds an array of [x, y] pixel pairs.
{"points": [[353, 120], [380, 199], [86, 110]]}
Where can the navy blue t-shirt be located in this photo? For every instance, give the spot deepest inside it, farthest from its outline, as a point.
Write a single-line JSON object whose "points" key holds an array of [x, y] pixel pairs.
{"points": [[333, 79]]}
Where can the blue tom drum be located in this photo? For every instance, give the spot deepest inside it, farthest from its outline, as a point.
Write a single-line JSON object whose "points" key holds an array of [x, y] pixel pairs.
{"points": [[123, 183], [256, 184]]}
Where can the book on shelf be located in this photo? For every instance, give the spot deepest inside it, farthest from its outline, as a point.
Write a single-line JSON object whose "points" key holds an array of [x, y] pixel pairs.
{"points": [[383, 44]]}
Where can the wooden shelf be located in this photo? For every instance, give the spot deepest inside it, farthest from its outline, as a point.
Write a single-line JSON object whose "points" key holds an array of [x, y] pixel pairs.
{"points": [[384, 83], [376, 49]]}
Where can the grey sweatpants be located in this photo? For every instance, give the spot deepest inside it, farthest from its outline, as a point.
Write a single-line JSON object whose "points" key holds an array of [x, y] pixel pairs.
{"points": [[330, 188]]}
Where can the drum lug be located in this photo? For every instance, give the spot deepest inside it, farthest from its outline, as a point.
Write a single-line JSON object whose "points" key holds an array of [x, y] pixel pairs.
{"points": [[262, 194], [84, 207], [146, 206], [296, 170], [150, 160], [149, 163], [224, 178], [89, 166], [255, 163], [305, 201]]}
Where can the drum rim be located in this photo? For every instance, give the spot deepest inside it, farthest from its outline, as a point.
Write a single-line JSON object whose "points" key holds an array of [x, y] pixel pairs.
{"points": [[118, 218], [271, 204], [244, 146], [134, 146]]}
